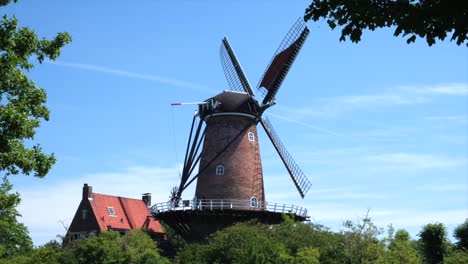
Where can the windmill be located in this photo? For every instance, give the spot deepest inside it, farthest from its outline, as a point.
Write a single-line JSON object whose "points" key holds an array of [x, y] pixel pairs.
{"points": [[223, 144]]}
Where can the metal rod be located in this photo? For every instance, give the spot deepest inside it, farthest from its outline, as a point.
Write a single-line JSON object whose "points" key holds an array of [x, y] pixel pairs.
{"points": [[189, 140]]}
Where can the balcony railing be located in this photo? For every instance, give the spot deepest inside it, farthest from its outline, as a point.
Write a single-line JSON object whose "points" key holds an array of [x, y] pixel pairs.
{"points": [[218, 204]]}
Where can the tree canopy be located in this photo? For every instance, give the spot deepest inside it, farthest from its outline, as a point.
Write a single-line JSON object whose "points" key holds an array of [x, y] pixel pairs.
{"points": [[22, 103], [14, 236], [429, 19], [461, 234], [434, 243], [22, 108]]}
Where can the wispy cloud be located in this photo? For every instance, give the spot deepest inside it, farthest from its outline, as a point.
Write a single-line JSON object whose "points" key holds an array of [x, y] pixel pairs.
{"points": [[396, 96], [454, 118], [417, 161], [445, 89], [383, 100], [135, 75], [316, 128], [447, 187]]}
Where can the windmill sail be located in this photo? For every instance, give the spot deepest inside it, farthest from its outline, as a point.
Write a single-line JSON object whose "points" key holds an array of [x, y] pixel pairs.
{"points": [[232, 69], [282, 61], [300, 180]]}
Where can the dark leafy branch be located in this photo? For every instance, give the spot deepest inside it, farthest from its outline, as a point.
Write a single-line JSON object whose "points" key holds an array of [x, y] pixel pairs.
{"points": [[429, 19]]}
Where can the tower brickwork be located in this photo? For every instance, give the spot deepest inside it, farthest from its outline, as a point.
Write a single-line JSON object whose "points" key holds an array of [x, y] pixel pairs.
{"points": [[237, 173]]}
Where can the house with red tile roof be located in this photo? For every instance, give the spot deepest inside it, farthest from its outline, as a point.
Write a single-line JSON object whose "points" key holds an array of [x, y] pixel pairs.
{"points": [[102, 212]]}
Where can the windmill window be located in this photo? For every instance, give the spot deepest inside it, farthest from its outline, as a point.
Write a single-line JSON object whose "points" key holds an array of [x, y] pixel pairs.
{"points": [[84, 214], [253, 202], [251, 136], [111, 210], [220, 170]]}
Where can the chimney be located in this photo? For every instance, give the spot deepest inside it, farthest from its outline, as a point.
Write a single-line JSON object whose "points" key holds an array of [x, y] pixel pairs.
{"points": [[87, 191], [146, 197]]}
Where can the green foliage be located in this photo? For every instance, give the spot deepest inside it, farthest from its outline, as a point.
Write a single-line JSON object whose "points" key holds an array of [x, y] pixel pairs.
{"points": [[140, 248], [307, 255], [111, 247], [22, 107], [400, 248], [461, 234], [361, 243], [296, 236], [14, 237], [50, 253], [105, 248], [241, 243], [429, 19], [458, 257], [173, 242], [22, 103], [433, 241]]}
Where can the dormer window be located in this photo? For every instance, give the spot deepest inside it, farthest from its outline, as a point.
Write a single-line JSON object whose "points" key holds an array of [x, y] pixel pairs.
{"points": [[251, 136], [111, 210], [220, 170]]}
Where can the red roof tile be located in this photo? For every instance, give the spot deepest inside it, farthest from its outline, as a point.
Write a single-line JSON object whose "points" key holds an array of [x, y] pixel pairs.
{"points": [[129, 213]]}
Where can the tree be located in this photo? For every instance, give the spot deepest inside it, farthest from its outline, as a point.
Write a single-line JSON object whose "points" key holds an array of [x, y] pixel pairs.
{"points": [[241, 243], [307, 255], [461, 234], [400, 249], [360, 241], [433, 240], [22, 107], [458, 257], [22, 103], [140, 248], [429, 19], [111, 247], [14, 237], [308, 237]]}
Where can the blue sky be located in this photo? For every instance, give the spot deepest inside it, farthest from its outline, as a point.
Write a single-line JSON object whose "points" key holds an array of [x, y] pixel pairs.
{"points": [[379, 125]]}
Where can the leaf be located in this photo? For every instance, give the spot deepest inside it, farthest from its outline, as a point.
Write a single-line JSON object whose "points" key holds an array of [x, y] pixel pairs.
{"points": [[331, 24], [411, 39]]}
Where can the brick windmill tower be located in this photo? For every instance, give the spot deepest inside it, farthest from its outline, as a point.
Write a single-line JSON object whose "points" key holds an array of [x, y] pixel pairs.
{"points": [[223, 143]]}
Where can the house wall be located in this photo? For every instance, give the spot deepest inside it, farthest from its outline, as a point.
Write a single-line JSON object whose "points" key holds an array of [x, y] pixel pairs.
{"points": [[84, 226]]}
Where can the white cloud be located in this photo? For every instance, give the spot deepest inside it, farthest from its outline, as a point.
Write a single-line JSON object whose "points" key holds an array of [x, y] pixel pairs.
{"points": [[454, 118], [417, 161], [447, 89], [422, 217], [382, 100], [142, 76], [447, 187], [401, 95]]}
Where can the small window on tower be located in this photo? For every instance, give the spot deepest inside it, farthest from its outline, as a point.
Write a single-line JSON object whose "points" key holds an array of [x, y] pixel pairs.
{"points": [[251, 136], [253, 202], [84, 214], [220, 170], [111, 210]]}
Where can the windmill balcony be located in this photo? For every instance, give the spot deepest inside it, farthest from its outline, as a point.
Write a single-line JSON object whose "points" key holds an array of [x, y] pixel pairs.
{"points": [[219, 204]]}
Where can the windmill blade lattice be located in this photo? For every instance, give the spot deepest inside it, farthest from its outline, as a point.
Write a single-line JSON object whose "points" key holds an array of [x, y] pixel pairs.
{"points": [[232, 70], [282, 61], [300, 180]]}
